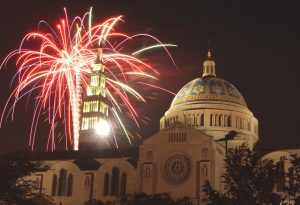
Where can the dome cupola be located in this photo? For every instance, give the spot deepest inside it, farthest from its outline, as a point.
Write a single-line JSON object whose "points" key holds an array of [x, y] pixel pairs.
{"points": [[208, 89], [209, 66], [214, 106]]}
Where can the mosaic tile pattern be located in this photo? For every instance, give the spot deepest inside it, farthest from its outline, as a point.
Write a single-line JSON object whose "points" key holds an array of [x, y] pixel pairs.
{"points": [[208, 89]]}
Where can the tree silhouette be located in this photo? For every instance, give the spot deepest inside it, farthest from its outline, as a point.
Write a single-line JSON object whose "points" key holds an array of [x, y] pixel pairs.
{"points": [[14, 187], [293, 177], [155, 199], [248, 180]]}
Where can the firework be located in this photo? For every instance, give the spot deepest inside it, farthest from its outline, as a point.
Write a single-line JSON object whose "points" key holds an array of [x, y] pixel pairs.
{"points": [[56, 73]]}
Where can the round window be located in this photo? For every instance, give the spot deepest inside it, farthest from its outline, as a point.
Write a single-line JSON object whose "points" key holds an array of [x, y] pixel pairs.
{"points": [[177, 168]]}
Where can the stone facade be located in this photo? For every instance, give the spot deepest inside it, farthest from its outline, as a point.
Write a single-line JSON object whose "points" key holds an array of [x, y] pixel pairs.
{"points": [[188, 149], [176, 160]]}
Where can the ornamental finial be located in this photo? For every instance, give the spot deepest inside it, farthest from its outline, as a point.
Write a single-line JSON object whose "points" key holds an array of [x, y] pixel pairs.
{"points": [[209, 52]]}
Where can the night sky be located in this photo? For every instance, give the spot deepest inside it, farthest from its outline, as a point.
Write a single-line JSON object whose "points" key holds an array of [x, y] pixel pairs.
{"points": [[255, 44]]}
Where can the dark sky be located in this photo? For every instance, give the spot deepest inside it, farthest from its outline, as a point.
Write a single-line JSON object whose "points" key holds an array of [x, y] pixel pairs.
{"points": [[255, 44]]}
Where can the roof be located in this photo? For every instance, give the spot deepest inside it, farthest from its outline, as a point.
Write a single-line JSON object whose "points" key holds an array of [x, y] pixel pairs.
{"points": [[86, 160], [87, 164], [208, 89], [131, 152]]}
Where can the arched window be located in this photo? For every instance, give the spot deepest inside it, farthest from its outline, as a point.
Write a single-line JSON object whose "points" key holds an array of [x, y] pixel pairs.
{"points": [[241, 123], [147, 172], [54, 185], [237, 122], [212, 120], [229, 121], [204, 170], [37, 182], [106, 184], [202, 119], [70, 185], [62, 182], [225, 121], [87, 182], [115, 181], [216, 120], [221, 123], [123, 183]]}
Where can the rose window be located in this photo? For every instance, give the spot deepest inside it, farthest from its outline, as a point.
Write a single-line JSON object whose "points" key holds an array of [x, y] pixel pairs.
{"points": [[177, 168]]}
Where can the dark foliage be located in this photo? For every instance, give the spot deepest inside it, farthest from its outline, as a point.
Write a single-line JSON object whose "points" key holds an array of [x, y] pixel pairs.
{"points": [[155, 199], [248, 180], [36, 200], [293, 177], [15, 188], [214, 197], [142, 199], [94, 202]]}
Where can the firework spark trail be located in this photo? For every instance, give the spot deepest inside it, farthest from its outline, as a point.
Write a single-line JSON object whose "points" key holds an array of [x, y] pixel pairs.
{"points": [[57, 73], [151, 47]]}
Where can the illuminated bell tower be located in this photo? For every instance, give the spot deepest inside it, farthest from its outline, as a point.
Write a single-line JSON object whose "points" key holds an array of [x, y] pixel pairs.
{"points": [[94, 123]]}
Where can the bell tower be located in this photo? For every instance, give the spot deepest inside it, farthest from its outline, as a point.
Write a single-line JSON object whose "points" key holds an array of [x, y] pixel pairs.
{"points": [[94, 120]]}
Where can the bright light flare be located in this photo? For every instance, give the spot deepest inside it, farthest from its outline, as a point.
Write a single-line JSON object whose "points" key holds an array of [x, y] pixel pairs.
{"points": [[103, 128]]}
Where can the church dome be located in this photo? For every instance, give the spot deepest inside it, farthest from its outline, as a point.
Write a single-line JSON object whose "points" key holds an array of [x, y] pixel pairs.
{"points": [[208, 89], [213, 106]]}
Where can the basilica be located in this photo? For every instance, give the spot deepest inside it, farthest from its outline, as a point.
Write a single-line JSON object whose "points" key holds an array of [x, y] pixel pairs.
{"points": [[206, 117]]}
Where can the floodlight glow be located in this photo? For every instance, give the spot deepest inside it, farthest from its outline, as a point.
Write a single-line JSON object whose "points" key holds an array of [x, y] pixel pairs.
{"points": [[103, 128]]}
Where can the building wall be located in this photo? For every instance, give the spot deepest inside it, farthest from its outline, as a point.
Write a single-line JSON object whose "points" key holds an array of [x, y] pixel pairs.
{"points": [[87, 184], [176, 160], [106, 168], [212, 119], [182, 146]]}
